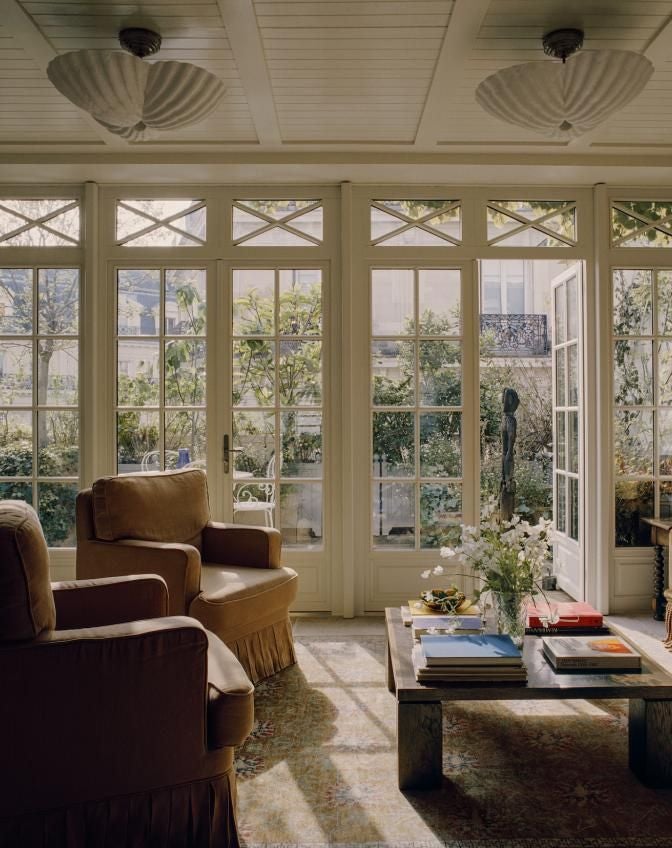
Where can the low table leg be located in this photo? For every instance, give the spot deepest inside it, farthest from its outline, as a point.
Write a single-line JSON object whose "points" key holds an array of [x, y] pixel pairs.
{"points": [[650, 742], [419, 744]]}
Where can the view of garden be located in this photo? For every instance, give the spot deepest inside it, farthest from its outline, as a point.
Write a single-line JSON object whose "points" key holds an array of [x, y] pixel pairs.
{"points": [[277, 376], [642, 301], [39, 321], [515, 348], [277, 388]]}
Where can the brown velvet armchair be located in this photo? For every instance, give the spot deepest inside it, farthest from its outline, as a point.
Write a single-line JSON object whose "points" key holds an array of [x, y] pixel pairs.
{"points": [[228, 576], [113, 731]]}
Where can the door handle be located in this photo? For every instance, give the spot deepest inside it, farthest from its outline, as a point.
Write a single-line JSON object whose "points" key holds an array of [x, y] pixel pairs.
{"points": [[227, 450]]}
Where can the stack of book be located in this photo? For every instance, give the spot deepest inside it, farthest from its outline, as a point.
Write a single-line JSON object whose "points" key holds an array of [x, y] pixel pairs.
{"points": [[590, 653], [576, 617], [468, 659]]}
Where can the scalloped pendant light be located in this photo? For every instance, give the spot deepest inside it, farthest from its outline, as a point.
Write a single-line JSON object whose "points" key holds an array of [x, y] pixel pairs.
{"points": [[565, 99], [131, 97]]}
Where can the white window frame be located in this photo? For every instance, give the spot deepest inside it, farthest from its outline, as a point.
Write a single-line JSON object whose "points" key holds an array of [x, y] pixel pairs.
{"points": [[385, 578], [630, 569], [62, 558], [346, 249], [319, 584]]}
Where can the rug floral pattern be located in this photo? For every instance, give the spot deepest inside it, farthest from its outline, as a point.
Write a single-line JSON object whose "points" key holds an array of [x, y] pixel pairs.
{"points": [[320, 767]]}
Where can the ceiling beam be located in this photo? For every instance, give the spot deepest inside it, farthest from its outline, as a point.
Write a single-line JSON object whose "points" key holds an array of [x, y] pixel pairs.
{"points": [[27, 35], [657, 51], [461, 34], [248, 51]]}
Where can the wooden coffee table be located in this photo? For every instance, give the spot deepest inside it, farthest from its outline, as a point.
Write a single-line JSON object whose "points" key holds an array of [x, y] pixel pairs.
{"points": [[419, 724]]}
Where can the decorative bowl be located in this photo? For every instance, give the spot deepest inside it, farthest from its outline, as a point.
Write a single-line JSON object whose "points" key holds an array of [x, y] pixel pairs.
{"points": [[443, 600]]}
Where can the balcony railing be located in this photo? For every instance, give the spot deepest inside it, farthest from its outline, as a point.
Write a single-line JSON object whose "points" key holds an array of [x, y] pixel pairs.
{"points": [[515, 335]]}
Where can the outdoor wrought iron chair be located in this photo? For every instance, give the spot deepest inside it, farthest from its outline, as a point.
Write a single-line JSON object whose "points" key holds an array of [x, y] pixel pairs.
{"points": [[258, 496]]}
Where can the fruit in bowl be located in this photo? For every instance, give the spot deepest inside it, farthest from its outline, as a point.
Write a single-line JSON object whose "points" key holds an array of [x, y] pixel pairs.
{"points": [[449, 600]]}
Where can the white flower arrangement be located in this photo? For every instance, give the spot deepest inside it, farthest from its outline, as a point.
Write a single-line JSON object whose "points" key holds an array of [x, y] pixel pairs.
{"points": [[507, 557]]}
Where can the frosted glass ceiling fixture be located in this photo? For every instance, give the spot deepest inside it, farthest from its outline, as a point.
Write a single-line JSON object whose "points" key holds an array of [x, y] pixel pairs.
{"points": [[565, 99], [130, 97]]}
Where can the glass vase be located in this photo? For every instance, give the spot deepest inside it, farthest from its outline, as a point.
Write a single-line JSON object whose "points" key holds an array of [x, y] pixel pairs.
{"points": [[511, 614]]}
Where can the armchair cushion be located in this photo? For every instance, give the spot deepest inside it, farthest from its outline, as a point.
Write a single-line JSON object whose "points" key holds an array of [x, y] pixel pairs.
{"points": [[109, 600], [26, 601], [221, 583], [157, 507], [237, 603]]}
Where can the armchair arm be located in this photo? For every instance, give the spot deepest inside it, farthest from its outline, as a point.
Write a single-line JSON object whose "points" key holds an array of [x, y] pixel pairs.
{"points": [[242, 544], [178, 564], [106, 711], [230, 697], [109, 600]]}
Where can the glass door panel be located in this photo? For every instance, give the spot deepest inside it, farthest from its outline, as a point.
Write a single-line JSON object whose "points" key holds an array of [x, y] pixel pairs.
{"points": [[161, 373], [415, 407], [277, 401], [39, 394], [642, 325], [567, 403]]}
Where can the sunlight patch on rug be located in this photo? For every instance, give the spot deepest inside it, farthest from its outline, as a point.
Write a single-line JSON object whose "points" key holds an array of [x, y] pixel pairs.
{"points": [[320, 767]]}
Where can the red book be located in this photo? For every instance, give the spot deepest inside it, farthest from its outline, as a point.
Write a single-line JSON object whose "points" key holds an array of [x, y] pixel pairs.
{"points": [[572, 614]]}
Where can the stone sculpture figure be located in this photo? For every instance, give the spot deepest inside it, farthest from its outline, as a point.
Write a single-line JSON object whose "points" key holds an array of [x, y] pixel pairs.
{"points": [[507, 489]]}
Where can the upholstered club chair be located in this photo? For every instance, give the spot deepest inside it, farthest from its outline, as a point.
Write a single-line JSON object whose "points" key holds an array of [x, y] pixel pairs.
{"points": [[117, 725], [228, 576]]}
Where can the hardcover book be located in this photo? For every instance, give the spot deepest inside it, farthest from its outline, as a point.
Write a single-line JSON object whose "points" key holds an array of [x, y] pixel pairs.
{"points": [[590, 652], [571, 614], [464, 650], [424, 624], [553, 630]]}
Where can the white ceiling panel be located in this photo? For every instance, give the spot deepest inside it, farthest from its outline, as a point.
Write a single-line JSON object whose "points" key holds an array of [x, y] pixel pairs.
{"points": [[31, 110], [351, 71]]}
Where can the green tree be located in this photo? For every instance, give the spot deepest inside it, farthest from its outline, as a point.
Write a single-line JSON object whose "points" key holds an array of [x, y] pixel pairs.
{"points": [[185, 372], [296, 375], [57, 314], [56, 292], [623, 224], [633, 436], [184, 384]]}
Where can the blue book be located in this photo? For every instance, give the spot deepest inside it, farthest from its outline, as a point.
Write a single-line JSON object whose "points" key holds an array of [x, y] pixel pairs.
{"points": [[470, 650]]}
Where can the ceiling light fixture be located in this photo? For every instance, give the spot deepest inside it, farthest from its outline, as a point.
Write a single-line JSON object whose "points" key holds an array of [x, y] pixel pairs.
{"points": [[565, 99], [130, 97]]}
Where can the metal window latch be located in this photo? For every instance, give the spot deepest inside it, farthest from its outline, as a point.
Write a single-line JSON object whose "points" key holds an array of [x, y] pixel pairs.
{"points": [[227, 451]]}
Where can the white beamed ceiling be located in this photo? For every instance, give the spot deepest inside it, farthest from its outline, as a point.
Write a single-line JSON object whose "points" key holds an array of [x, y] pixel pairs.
{"points": [[347, 78]]}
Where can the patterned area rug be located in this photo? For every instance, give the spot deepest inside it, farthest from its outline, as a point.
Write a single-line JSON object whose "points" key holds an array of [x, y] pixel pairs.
{"points": [[320, 767]]}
